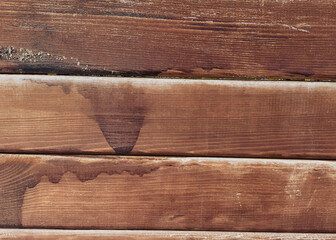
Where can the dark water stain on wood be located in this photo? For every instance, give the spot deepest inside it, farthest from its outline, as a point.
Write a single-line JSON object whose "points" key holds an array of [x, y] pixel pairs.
{"points": [[249, 192], [16, 175], [121, 132], [119, 109]]}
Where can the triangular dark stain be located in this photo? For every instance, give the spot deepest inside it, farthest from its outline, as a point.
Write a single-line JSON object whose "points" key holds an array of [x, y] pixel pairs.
{"points": [[119, 109], [120, 131], [123, 150]]}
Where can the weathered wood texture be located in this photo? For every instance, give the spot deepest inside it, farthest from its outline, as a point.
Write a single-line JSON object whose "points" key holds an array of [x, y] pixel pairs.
{"points": [[167, 117], [167, 193], [8, 234], [219, 38]]}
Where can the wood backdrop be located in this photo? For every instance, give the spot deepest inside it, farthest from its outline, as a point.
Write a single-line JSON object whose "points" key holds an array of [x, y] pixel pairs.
{"points": [[231, 39], [27, 234], [106, 192], [54, 114], [217, 38]]}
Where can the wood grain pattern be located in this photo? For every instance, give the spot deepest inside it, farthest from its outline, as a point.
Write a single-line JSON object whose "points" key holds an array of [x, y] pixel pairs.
{"points": [[218, 38], [167, 193], [56, 114], [8, 234]]}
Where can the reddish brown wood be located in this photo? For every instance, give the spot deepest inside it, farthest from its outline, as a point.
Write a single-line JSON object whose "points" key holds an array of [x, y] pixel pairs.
{"points": [[55, 114], [9, 234], [167, 193], [221, 38]]}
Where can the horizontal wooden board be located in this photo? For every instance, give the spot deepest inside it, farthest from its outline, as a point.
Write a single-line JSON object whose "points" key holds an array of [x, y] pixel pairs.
{"points": [[218, 38], [56, 114], [39, 191], [37, 234]]}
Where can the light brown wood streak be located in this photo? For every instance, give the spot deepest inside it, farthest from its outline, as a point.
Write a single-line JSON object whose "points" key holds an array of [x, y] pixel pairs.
{"points": [[57, 114], [220, 38], [8, 234], [167, 193]]}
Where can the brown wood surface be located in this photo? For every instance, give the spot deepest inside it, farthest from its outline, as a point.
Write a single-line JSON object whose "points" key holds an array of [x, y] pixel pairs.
{"points": [[218, 38], [37, 234], [56, 114], [167, 193]]}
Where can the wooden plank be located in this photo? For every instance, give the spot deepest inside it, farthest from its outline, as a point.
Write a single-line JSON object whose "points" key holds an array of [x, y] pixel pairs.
{"points": [[56, 114], [219, 38], [79, 192], [36, 234]]}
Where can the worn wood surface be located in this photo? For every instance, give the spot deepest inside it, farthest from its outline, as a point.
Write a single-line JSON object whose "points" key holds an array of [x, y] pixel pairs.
{"points": [[219, 38], [167, 193], [41, 114], [37, 234]]}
